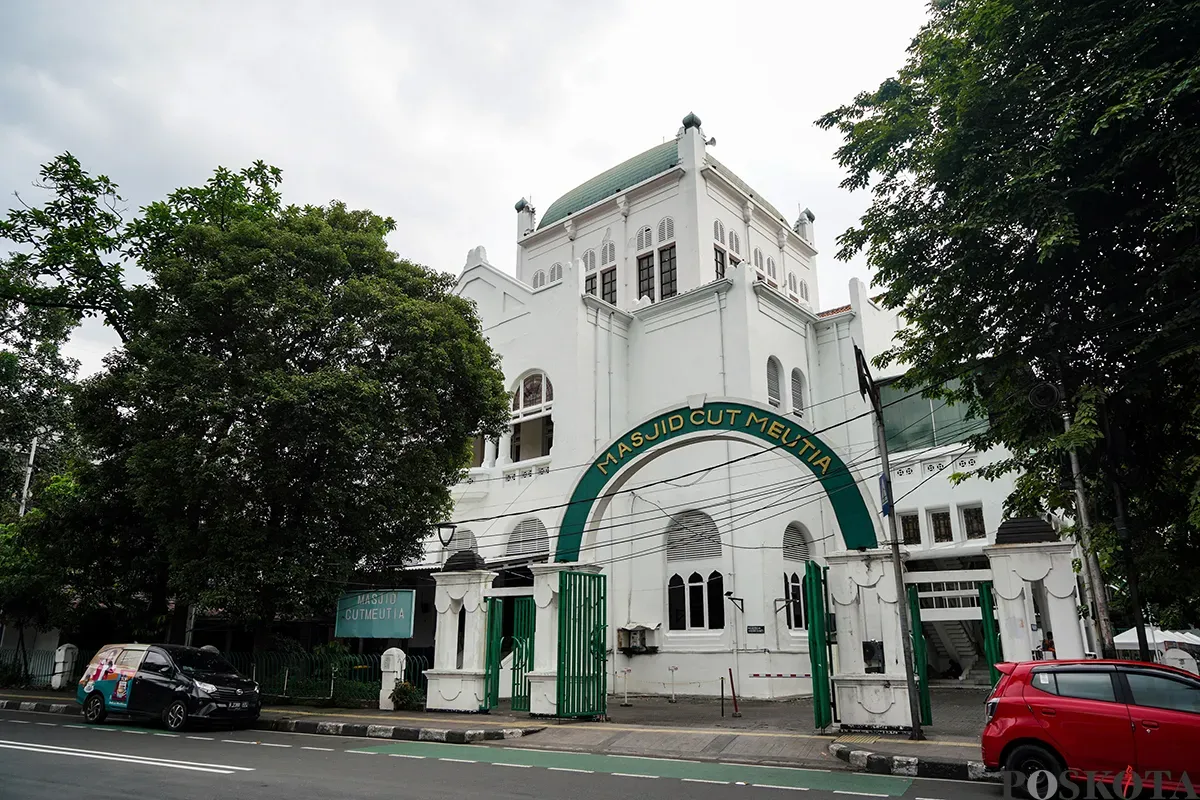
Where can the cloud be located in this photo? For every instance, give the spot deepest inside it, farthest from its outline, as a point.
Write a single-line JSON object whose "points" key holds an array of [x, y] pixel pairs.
{"points": [[440, 115]]}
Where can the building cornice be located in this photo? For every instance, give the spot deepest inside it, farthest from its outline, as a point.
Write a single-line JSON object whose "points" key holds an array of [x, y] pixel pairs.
{"points": [[806, 247], [701, 294], [621, 319], [630, 194], [776, 299]]}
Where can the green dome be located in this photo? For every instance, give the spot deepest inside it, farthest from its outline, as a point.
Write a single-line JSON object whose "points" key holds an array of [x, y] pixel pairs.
{"points": [[691, 121], [614, 181], [522, 204]]}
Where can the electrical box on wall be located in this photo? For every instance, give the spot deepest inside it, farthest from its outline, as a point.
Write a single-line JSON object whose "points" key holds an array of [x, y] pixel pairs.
{"points": [[872, 656], [636, 639]]}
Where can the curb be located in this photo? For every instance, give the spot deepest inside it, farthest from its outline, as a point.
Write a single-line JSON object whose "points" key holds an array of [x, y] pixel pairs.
{"points": [[283, 724], [913, 767]]}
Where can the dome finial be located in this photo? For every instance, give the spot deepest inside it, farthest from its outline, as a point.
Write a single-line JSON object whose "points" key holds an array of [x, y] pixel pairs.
{"points": [[522, 204], [691, 121]]}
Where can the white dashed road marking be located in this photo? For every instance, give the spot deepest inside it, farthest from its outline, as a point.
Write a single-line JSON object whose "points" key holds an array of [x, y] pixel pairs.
{"points": [[47, 724], [322, 749], [769, 786], [518, 766], [568, 769], [701, 780], [859, 794], [458, 760], [632, 775], [404, 755]]}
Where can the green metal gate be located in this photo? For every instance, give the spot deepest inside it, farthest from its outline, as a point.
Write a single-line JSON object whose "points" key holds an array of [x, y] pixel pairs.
{"points": [[582, 645], [992, 650], [522, 652], [920, 657], [495, 646], [818, 652]]}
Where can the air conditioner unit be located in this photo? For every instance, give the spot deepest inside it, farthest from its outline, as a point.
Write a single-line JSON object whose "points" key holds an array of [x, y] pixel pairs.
{"points": [[873, 656]]}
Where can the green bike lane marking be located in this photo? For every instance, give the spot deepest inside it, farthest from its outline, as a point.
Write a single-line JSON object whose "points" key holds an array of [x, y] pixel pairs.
{"points": [[697, 771]]}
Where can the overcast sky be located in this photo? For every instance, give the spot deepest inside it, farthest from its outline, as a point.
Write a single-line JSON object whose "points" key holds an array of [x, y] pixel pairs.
{"points": [[441, 115]]}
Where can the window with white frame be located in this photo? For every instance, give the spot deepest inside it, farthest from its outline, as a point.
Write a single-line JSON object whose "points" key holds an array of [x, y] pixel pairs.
{"points": [[771, 271], [532, 427], [556, 271], [972, 522], [657, 271], [694, 602], [939, 522], [608, 272], [796, 542], [758, 259], [910, 529], [735, 243], [804, 290], [645, 239], [719, 231], [797, 392], [539, 279], [666, 229], [774, 382], [793, 288], [589, 260], [529, 538], [724, 256]]}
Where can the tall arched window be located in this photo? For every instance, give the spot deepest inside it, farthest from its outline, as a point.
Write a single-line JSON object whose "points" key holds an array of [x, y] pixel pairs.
{"points": [[758, 258], [774, 382], [608, 273], [666, 229], [719, 231], [697, 604], [792, 284], [556, 270], [691, 536], [461, 541], [589, 261], [797, 392], [539, 279], [532, 427], [796, 543], [608, 253], [645, 239], [529, 538], [771, 272], [735, 242], [803, 290]]}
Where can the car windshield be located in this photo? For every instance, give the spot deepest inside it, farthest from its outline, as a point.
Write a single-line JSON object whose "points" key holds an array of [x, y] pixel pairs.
{"points": [[191, 660]]}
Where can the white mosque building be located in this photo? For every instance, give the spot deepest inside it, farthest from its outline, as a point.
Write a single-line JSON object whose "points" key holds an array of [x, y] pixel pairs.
{"points": [[667, 289]]}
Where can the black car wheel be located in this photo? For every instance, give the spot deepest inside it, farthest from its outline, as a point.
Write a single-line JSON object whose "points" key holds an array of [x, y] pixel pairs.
{"points": [[94, 711], [175, 716], [1030, 759]]}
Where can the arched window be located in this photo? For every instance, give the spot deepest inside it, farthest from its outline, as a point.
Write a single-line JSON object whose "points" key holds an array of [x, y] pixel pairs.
{"points": [[758, 259], [735, 242], [692, 535], [719, 231], [697, 604], [771, 268], [556, 270], [797, 608], [795, 543], [797, 392], [539, 279], [589, 261], [461, 541], [666, 229], [608, 253], [644, 239], [804, 290], [774, 382], [532, 427], [529, 538], [792, 287]]}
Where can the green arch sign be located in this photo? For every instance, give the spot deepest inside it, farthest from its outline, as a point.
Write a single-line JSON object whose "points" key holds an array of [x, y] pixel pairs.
{"points": [[786, 435]]}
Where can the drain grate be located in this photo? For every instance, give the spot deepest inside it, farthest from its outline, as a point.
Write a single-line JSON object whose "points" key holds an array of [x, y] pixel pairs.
{"points": [[857, 738]]}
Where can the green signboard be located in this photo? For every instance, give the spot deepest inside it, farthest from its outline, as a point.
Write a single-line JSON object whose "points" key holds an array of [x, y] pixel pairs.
{"points": [[381, 614]]}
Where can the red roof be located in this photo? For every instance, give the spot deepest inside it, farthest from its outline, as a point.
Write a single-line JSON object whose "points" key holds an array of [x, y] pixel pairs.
{"points": [[832, 311]]}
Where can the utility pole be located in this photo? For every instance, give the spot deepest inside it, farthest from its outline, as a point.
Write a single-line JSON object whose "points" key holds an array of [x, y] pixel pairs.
{"points": [[1115, 451], [866, 386], [28, 475], [1091, 564]]}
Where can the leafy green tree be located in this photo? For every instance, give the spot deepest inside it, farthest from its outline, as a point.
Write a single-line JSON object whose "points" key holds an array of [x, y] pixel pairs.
{"points": [[289, 407], [1035, 175]]}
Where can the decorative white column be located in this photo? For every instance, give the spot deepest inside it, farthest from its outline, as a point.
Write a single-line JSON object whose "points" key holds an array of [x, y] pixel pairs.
{"points": [[504, 459], [543, 678], [392, 666], [1014, 567], [862, 586], [489, 453], [452, 688]]}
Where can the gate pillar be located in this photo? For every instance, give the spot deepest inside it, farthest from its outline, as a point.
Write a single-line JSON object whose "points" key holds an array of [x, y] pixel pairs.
{"points": [[453, 687], [543, 678], [1014, 568], [862, 586]]}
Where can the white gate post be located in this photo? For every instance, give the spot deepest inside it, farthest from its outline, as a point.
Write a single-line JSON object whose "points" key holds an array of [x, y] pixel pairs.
{"points": [[391, 664], [452, 688], [543, 678]]}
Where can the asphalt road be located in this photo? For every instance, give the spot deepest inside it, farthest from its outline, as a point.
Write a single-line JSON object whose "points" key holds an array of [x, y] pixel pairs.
{"points": [[42, 756]]}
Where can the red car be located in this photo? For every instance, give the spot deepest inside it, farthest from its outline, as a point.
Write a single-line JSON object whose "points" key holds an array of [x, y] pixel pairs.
{"points": [[1095, 721]]}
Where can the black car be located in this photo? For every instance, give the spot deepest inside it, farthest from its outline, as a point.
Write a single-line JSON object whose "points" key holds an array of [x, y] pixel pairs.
{"points": [[167, 682]]}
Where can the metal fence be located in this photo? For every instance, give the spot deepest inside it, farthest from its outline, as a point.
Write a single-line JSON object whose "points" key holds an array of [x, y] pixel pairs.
{"points": [[28, 668]]}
